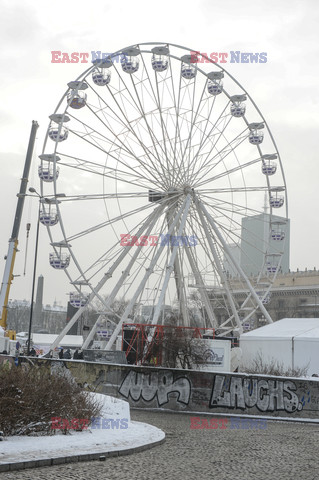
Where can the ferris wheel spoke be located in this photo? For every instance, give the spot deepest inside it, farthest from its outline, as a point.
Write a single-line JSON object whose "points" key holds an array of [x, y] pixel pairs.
{"points": [[231, 171], [108, 222], [177, 137], [167, 143], [164, 134], [223, 206], [187, 123], [234, 190], [189, 144], [84, 165], [116, 158], [99, 196], [168, 91], [138, 105], [213, 161], [126, 123], [156, 144], [99, 137], [124, 145], [208, 138]]}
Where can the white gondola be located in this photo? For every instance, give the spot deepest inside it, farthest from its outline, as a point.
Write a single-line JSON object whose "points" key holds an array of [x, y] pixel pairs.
{"points": [[76, 99], [59, 261], [78, 300], [130, 64], [46, 173], [159, 63], [188, 70], [265, 298], [215, 84], [256, 136], [238, 110], [214, 87], [277, 235], [160, 59], [57, 133], [130, 61], [269, 168], [277, 201], [101, 76], [49, 218], [271, 268]]}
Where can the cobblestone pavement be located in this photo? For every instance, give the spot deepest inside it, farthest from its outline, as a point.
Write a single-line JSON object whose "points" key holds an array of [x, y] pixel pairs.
{"points": [[281, 451]]}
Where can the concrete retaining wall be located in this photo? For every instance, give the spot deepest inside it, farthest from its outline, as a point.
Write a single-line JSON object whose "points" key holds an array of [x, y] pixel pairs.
{"points": [[192, 391]]}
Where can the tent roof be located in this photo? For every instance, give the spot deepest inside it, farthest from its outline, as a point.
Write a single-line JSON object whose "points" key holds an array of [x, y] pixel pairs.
{"points": [[286, 329], [48, 339]]}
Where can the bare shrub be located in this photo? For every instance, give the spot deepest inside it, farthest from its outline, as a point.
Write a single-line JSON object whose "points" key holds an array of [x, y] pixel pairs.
{"points": [[29, 399], [274, 367]]}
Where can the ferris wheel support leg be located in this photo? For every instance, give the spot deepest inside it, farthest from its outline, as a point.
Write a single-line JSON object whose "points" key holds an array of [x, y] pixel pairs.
{"points": [[219, 267], [107, 303], [106, 277], [202, 289], [181, 296], [237, 266], [171, 265], [90, 336], [148, 272]]}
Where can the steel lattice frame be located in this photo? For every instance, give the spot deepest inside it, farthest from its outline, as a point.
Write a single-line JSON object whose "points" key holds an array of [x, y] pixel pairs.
{"points": [[164, 132]]}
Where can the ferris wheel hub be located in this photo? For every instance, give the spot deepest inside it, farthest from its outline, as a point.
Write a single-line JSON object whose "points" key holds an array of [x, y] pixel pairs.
{"points": [[188, 189]]}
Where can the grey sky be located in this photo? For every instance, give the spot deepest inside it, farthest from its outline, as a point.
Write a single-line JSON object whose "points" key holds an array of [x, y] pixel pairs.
{"points": [[285, 89]]}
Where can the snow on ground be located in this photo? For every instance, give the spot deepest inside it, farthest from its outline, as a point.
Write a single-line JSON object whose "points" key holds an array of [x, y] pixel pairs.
{"points": [[94, 440]]}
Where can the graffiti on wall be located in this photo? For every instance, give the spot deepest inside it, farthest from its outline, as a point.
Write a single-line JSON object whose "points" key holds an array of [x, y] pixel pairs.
{"points": [[159, 385], [266, 395]]}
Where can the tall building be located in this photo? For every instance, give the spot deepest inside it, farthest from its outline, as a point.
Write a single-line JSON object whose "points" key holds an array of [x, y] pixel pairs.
{"points": [[262, 234]]}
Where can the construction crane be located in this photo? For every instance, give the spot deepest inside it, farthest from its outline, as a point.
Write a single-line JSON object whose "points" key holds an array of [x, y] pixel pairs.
{"points": [[13, 241]]}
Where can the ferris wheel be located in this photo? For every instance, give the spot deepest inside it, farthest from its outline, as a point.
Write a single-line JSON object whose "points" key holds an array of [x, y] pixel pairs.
{"points": [[173, 189]]}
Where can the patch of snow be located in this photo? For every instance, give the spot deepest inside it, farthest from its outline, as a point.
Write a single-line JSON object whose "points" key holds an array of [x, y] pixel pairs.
{"points": [[92, 440]]}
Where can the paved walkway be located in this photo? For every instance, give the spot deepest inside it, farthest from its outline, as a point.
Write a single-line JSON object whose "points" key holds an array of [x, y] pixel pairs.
{"points": [[281, 451]]}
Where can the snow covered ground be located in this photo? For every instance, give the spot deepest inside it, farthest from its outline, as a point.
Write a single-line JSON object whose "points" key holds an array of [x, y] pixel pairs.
{"points": [[114, 431]]}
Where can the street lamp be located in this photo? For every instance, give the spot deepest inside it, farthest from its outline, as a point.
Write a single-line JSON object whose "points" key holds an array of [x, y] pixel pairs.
{"points": [[33, 190]]}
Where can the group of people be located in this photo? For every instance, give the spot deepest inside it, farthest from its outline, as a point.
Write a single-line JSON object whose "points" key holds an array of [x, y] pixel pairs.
{"points": [[67, 355]]}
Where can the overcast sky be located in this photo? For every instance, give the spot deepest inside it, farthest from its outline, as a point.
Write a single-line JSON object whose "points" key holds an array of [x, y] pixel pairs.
{"points": [[285, 88]]}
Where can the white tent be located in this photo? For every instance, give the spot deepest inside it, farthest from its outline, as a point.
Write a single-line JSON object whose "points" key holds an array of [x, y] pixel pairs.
{"points": [[293, 342], [43, 341]]}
